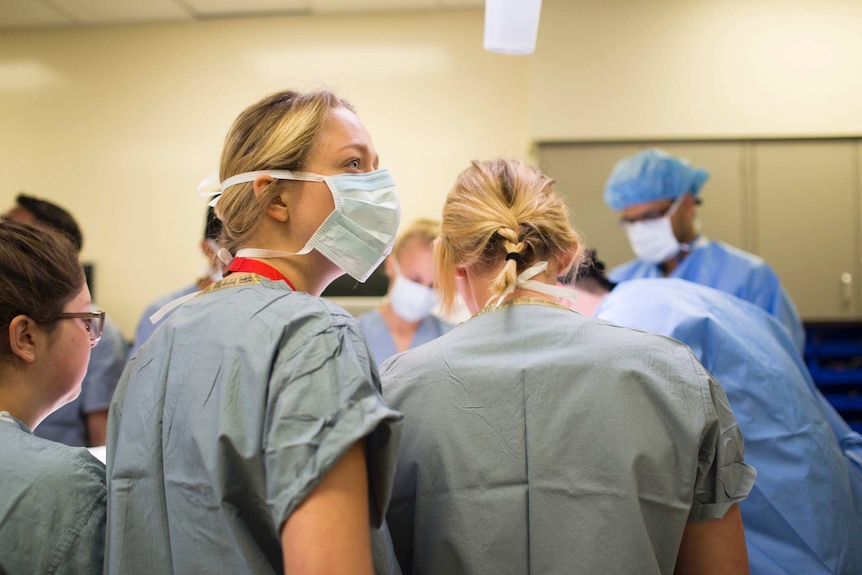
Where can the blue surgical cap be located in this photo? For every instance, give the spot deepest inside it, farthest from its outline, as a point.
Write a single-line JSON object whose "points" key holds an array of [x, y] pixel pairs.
{"points": [[651, 175]]}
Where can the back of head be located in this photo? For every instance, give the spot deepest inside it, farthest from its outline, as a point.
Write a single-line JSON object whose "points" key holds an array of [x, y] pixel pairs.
{"points": [[53, 216], [422, 229], [212, 229], [590, 275], [276, 133], [651, 175], [39, 274], [496, 208]]}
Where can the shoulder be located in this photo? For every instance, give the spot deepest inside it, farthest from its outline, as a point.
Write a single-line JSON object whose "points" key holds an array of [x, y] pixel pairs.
{"points": [[630, 269], [54, 469], [733, 254]]}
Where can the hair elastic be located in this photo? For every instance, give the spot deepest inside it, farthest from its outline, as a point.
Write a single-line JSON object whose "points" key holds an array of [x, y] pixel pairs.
{"points": [[515, 256]]}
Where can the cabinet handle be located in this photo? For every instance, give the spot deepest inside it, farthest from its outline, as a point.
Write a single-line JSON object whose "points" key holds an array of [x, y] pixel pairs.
{"points": [[846, 289]]}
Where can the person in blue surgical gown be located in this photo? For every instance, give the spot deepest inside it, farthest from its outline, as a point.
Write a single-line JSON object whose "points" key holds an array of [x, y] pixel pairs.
{"points": [[656, 195], [248, 434], [540, 441], [804, 514], [405, 319], [52, 496]]}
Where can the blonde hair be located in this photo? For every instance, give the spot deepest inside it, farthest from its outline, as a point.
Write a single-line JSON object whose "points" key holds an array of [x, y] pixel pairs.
{"points": [[423, 229], [277, 133], [496, 208]]}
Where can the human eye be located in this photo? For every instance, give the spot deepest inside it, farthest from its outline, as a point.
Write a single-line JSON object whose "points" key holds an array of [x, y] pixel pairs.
{"points": [[353, 164], [88, 324]]}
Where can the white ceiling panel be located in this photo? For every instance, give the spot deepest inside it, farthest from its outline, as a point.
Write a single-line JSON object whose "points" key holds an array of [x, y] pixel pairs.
{"points": [[241, 7], [329, 6], [27, 13], [462, 3], [126, 11]]}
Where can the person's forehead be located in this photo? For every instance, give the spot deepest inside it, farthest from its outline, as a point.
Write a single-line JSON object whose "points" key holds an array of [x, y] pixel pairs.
{"points": [[21, 215]]}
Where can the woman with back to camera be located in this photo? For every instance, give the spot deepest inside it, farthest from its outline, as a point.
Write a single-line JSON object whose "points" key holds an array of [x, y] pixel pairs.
{"points": [[53, 497], [405, 320], [248, 434], [540, 441]]}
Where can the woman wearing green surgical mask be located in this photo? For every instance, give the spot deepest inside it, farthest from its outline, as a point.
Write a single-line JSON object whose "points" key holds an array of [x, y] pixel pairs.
{"points": [[248, 434], [405, 321]]}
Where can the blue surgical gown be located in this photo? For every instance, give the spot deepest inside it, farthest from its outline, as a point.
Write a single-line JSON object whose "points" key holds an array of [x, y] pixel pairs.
{"points": [[380, 340], [225, 421], [729, 269], [804, 514]]}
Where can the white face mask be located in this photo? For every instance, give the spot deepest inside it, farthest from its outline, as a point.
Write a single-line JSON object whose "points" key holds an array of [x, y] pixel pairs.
{"points": [[358, 234], [653, 241], [411, 300]]}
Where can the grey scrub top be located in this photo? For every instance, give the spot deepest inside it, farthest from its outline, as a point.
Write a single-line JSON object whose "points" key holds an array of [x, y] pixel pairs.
{"points": [[52, 505], [540, 441], [227, 418]]}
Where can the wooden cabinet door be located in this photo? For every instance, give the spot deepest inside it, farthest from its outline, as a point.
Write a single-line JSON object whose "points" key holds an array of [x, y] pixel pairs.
{"points": [[806, 211]]}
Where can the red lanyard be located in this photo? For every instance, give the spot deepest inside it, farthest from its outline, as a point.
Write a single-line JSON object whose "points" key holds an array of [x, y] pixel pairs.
{"points": [[259, 268]]}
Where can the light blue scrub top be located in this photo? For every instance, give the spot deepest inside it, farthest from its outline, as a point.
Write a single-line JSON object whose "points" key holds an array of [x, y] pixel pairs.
{"points": [[380, 340], [52, 505], [227, 418], [146, 327], [804, 514], [69, 423], [729, 269], [540, 441]]}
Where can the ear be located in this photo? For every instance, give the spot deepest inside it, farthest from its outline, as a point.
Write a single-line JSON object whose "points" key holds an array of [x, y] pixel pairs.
{"points": [[276, 208], [389, 266], [460, 272], [565, 262], [23, 333], [689, 205]]}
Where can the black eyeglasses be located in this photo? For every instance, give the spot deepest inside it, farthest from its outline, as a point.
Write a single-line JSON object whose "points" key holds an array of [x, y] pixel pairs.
{"points": [[94, 321]]}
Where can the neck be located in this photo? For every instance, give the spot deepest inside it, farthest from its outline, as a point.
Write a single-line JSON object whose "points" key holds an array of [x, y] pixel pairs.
{"points": [[395, 322], [21, 399]]}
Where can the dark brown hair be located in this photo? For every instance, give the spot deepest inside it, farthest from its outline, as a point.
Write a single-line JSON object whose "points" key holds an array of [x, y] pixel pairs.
{"points": [[39, 274]]}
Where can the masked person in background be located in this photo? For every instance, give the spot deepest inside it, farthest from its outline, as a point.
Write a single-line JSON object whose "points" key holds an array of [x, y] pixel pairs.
{"points": [[657, 196], [248, 434], [82, 422], [804, 513], [540, 441], [209, 247], [404, 320]]}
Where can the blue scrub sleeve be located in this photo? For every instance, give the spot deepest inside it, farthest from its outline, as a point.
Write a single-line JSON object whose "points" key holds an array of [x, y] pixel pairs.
{"points": [[328, 399], [107, 361], [722, 477]]}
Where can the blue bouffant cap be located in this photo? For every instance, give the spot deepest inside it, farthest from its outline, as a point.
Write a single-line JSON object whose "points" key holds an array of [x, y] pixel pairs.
{"points": [[651, 175]]}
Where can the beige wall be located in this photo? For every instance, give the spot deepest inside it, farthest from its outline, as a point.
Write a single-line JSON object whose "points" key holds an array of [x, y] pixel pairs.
{"points": [[120, 124], [648, 69]]}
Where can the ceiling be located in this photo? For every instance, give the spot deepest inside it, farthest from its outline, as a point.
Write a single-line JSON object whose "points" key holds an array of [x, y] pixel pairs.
{"points": [[23, 14]]}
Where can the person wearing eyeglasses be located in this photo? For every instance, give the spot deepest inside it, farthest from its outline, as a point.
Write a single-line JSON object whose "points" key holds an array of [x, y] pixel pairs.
{"points": [[657, 195], [53, 498], [83, 422]]}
